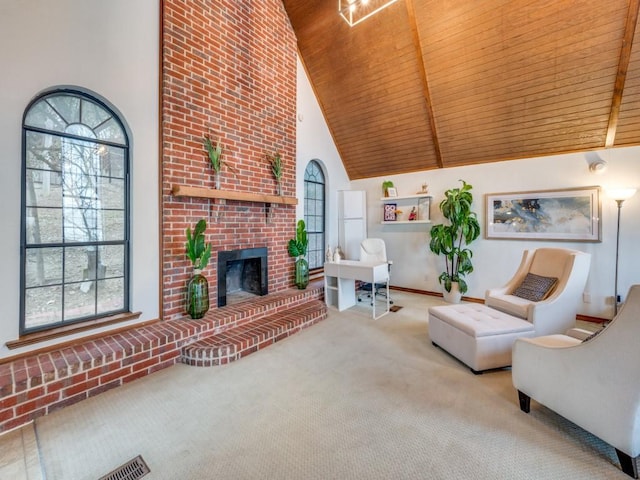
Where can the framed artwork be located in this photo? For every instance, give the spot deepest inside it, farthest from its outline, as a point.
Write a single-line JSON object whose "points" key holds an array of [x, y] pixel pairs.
{"points": [[392, 192], [571, 215], [390, 212]]}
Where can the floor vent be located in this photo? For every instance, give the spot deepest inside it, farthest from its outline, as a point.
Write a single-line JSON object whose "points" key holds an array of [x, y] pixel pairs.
{"points": [[132, 470]]}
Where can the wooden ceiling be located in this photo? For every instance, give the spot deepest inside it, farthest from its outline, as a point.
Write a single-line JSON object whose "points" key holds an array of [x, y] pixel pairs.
{"points": [[428, 84]]}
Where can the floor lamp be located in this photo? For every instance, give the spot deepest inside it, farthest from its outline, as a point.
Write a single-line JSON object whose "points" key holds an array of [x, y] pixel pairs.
{"points": [[619, 195]]}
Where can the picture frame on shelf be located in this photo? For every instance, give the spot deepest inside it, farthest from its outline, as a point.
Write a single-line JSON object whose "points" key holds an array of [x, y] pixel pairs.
{"points": [[389, 213], [392, 192]]}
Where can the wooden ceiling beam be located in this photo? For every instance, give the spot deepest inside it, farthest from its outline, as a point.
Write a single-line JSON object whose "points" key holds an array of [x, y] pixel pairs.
{"points": [[623, 65], [413, 24]]}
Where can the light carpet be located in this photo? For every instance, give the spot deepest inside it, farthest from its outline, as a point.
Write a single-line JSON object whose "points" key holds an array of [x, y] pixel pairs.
{"points": [[349, 398]]}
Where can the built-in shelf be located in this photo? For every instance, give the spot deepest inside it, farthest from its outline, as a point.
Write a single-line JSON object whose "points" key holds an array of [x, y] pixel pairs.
{"points": [[200, 192], [404, 197], [398, 222], [420, 201]]}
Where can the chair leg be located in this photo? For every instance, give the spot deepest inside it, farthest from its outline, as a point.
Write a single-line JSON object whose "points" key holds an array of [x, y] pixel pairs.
{"points": [[525, 402], [629, 465]]}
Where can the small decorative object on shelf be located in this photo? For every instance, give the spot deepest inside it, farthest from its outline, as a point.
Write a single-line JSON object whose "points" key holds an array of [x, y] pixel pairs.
{"points": [[277, 168], [328, 254], [390, 212], [198, 287], [386, 185], [413, 215], [297, 248], [424, 189], [336, 256]]}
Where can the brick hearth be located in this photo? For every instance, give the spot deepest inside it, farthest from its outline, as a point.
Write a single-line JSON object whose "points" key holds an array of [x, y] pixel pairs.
{"points": [[34, 386]]}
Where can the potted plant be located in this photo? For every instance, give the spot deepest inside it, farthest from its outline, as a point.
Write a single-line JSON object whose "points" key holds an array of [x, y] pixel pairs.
{"points": [[297, 248], [451, 240], [198, 287], [214, 152], [277, 168], [386, 185]]}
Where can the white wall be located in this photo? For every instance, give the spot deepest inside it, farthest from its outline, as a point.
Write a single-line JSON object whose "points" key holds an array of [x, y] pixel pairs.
{"points": [[495, 260], [110, 48], [314, 142]]}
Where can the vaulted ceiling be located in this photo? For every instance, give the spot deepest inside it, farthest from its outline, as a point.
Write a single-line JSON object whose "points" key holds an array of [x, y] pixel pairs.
{"points": [[428, 84]]}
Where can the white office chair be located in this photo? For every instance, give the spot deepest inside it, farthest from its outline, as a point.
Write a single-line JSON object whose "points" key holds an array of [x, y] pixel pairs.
{"points": [[373, 250]]}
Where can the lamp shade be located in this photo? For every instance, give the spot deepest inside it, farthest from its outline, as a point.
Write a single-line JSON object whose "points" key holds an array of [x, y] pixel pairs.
{"points": [[621, 194]]}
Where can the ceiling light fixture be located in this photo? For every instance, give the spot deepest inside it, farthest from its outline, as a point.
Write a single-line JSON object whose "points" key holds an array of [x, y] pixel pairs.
{"points": [[355, 11]]}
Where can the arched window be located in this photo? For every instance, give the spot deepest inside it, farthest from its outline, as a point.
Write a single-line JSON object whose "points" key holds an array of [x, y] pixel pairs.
{"points": [[75, 211], [314, 208]]}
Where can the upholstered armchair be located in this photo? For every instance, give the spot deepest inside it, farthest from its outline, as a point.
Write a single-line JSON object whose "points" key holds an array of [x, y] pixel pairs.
{"points": [[564, 269], [593, 383]]}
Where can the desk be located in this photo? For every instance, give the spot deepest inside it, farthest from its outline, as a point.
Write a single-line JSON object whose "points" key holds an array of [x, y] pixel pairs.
{"points": [[340, 285]]}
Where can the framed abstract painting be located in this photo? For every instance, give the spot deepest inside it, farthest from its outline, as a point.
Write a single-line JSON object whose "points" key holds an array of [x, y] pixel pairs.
{"points": [[571, 215]]}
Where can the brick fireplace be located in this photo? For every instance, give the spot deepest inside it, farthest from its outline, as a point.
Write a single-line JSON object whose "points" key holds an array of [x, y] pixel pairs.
{"points": [[224, 79]]}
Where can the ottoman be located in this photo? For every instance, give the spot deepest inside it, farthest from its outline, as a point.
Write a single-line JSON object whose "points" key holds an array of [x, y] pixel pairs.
{"points": [[477, 335]]}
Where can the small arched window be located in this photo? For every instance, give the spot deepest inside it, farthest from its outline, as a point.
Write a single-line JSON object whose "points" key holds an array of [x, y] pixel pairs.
{"points": [[314, 213], [75, 211]]}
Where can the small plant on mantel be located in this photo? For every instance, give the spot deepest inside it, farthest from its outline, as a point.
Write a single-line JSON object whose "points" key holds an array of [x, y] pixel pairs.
{"points": [[214, 152], [277, 168]]}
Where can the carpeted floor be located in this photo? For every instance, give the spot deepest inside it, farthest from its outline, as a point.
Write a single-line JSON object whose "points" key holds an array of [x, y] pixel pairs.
{"points": [[349, 398]]}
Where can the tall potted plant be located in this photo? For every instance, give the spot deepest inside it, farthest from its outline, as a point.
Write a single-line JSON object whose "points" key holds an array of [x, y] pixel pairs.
{"points": [[198, 287], [452, 239], [297, 248]]}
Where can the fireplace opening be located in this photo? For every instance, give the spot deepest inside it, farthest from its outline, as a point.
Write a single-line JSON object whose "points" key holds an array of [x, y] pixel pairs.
{"points": [[242, 274]]}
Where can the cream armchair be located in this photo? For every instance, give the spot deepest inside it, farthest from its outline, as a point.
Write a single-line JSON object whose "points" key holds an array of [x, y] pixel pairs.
{"points": [[557, 312], [595, 384]]}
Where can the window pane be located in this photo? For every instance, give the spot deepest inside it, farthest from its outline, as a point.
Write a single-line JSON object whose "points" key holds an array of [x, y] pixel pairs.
{"points": [[43, 151], [93, 115], [43, 116], [79, 301], [44, 225], [114, 225], [43, 266], [43, 306], [110, 295], [113, 161], [111, 192], [43, 189], [111, 132], [67, 106], [111, 257], [80, 264], [81, 224]]}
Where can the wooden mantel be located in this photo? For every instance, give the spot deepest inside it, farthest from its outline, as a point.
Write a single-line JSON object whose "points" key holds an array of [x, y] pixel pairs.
{"points": [[200, 192]]}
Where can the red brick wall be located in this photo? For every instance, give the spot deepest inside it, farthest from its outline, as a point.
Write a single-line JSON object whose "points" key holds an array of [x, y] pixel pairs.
{"points": [[229, 71]]}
